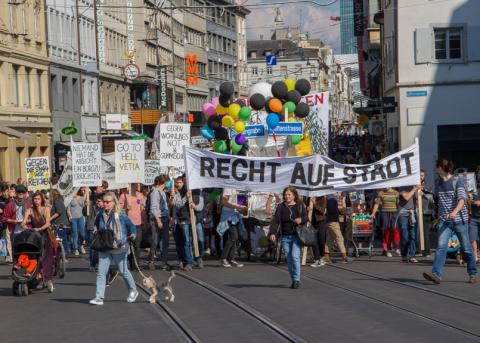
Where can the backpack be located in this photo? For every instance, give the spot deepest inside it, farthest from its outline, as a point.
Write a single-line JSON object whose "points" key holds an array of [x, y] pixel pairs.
{"points": [[148, 203]]}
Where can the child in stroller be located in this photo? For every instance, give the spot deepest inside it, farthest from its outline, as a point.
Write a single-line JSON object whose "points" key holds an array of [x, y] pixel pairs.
{"points": [[454, 250], [27, 254]]}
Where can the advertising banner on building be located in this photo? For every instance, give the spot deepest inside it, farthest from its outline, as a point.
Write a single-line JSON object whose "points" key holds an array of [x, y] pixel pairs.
{"points": [[314, 175], [37, 170], [86, 164], [173, 137], [129, 161], [317, 121], [162, 87]]}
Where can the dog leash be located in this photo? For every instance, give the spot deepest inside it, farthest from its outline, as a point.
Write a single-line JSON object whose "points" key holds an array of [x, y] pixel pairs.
{"points": [[132, 251]]}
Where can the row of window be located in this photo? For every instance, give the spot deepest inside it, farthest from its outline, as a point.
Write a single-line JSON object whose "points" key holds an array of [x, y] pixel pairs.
{"points": [[62, 35], [195, 37], [254, 53], [223, 44], [195, 102], [65, 93], [115, 45], [114, 98], [222, 71], [25, 19], [221, 16], [21, 86], [87, 41]]}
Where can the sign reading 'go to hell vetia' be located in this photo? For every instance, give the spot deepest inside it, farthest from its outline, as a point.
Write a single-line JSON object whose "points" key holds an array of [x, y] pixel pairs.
{"points": [[129, 161]]}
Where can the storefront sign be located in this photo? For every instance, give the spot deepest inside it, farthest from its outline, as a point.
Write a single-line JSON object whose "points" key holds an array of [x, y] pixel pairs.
{"points": [[117, 121], [191, 62], [130, 29], [358, 18], [101, 31]]}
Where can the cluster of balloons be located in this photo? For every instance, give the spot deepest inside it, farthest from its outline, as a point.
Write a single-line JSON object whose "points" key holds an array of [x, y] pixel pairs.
{"points": [[226, 115]]}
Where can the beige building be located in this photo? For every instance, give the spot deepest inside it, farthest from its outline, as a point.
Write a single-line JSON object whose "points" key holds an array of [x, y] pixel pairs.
{"points": [[25, 117]]}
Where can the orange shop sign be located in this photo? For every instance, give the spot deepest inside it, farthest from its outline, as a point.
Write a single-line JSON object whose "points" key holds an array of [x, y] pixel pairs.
{"points": [[192, 69]]}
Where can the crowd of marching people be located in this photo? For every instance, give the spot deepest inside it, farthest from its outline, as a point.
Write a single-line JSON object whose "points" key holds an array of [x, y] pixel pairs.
{"points": [[143, 219]]}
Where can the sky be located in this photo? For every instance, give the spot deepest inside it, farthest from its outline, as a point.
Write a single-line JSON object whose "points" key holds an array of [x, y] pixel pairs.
{"points": [[308, 17]]}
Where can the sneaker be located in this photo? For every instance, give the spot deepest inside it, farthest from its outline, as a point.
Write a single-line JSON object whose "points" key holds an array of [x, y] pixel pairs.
{"points": [[200, 263], [180, 265], [188, 268], [207, 251], [132, 296], [472, 280], [82, 250], [346, 259], [76, 253], [295, 285], [326, 260], [432, 277], [164, 266], [96, 301], [389, 254], [398, 253], [226, 264], [236, 264], [413, 260], [40, 286], [8, 259], [317, 263], [111, 277], [50, 287]]}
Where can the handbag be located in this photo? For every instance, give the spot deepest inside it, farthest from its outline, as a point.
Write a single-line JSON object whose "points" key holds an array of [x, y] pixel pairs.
{"points": [[306, 234], [53, 238], [103, 240]]}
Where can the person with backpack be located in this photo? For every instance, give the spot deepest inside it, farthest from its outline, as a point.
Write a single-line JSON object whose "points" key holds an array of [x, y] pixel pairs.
{"points": [[452, 216], [157, 211], [408, 223]]}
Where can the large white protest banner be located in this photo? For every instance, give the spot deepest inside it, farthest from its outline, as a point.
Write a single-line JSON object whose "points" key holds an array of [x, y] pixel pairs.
{"points": [[315, 175], [129, 160], [86, 164], [173, 137], [37, 170], [317, 121], [152, 170]]}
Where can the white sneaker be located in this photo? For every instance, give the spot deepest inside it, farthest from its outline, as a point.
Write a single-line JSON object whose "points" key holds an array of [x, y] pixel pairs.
{"points": [[207, 251], [96, 301], [317, 263], [82, 250], [236, 264], [389, 254], [132, 296], [50, 287], [398, 253], [76, 253], [226, 264]]}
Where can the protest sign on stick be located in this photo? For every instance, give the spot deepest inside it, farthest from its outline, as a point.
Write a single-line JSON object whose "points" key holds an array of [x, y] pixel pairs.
{"points": [[37, 170], [317, 121], [152, 170], [173, 137], [86, 164], [129, 161]]}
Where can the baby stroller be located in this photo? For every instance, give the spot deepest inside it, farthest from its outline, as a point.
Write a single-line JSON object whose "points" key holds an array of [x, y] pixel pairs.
{"points": [[27, 261]]}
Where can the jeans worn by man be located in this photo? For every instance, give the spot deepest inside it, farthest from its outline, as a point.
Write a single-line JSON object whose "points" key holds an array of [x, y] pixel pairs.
{"points": [[407, 225]]}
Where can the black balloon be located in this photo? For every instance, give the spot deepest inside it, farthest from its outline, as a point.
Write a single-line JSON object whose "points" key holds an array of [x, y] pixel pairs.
{"points": [[257, 101], [294, 96], [302, 110], [221, 133], [303, 86], [227, 89], [214, 122], [240, 102], [224, 100], [279, 90]]}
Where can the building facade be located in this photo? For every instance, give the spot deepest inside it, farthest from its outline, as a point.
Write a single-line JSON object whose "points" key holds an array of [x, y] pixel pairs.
{"points": [[25, 117], [347, 39], [431, 66]]}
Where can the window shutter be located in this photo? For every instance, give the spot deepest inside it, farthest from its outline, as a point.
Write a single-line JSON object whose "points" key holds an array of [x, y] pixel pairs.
{"points": [[423, 46], [473, 43]]}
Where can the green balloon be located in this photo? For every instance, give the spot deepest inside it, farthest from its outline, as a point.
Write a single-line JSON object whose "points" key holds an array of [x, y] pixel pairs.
{"points": [[296, 139], [235, 147], [220, 146], [290, 106], [213, 196], [245, 113]]}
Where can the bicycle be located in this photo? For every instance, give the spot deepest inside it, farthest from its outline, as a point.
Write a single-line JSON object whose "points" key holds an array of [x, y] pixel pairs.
{"points": [[59, 256]]}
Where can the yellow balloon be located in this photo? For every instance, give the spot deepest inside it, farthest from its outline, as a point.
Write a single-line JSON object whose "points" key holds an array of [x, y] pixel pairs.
{"points": [[227, 121], [290, 84], [239, 127], [363, 120], [221, 110], [233, 110]]}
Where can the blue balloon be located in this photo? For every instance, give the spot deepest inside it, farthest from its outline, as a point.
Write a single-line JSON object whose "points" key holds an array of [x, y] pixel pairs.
{"points": [[169, 185], [273, 120], [207, 132]]}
